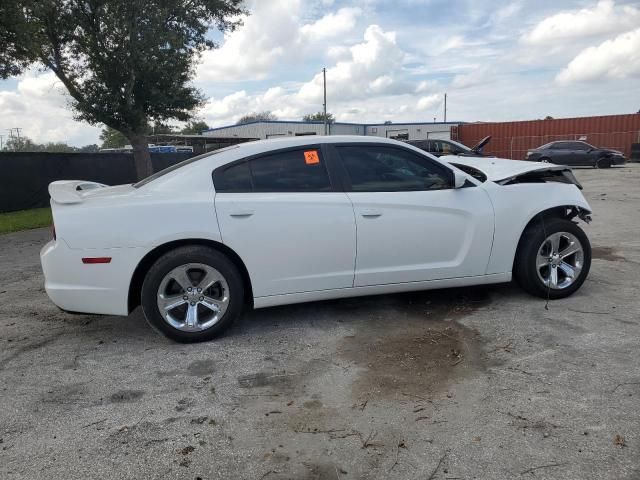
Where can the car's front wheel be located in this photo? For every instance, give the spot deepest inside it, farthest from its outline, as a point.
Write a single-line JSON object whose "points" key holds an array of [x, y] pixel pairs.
{"points": [[553, 258], [192, 294]]}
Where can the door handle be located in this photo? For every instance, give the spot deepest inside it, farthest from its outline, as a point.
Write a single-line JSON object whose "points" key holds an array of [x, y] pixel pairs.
{"points": [[241, 213], [371, 213]]}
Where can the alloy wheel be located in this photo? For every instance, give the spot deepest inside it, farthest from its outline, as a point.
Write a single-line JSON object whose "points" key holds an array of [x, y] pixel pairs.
{"points": [[193, 297], [560, 260]]}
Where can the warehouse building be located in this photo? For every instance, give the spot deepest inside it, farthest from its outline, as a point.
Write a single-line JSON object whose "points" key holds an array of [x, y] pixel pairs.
{"points": [[265, 129]]}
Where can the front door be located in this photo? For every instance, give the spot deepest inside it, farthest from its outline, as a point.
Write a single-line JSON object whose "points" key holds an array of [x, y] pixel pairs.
{"points": [[412, 225], [280, 213]]}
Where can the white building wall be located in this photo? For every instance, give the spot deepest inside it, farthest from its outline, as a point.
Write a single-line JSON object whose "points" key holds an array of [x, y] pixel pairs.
{"points": [[414, 131], [264, 130]]}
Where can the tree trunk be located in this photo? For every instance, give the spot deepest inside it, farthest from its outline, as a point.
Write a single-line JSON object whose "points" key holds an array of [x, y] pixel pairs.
{"points": [[141, 156]]}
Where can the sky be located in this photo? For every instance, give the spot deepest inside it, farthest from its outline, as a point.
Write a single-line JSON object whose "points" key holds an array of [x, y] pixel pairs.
{"points": [[497, 60]]}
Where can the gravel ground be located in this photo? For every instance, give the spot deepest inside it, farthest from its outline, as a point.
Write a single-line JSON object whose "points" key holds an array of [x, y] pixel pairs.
{"points": [[453, 384]]}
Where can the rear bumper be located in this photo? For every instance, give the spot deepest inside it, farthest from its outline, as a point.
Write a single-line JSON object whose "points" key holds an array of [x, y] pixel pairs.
{"points": [[77, 287]]}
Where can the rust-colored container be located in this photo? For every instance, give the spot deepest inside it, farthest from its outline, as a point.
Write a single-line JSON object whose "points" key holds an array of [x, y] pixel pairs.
{"points": [[513, 139]]}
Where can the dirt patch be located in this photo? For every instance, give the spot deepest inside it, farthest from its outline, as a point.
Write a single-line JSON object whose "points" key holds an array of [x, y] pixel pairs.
{"points": [[417, 347], [606, 253], [201, 368], [125, 396], [278, 379]]}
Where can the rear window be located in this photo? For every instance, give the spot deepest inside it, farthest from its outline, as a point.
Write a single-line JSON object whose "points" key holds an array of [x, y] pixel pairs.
{"points": [[184, 163]]}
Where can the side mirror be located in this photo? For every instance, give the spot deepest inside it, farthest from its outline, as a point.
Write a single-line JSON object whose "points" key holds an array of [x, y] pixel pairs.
{"points": [[459, 179]]}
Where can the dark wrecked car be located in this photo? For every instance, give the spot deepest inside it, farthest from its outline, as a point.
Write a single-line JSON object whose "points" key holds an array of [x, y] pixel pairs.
{"points": [[576, 153], [440, 148]]}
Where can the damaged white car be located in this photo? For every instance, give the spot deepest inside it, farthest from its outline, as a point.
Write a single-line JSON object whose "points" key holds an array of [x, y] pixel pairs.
{"points": [[298, 219]]}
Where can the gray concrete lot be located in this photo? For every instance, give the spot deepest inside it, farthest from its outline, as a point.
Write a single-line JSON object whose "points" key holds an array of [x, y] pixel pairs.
{"points": [[478, 383]]}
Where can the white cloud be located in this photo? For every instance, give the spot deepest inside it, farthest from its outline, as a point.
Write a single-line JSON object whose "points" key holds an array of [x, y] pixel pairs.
{"points": [[427, 86], [430, 102], [613, 59], [478, 76], [603, 18], [272, 35], [371, 69], [331, 25], [368, 85], [248, 53], [40, 107]]}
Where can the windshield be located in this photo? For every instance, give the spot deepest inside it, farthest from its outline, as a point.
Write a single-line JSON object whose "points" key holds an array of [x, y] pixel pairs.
{"points": [[184, 163]]}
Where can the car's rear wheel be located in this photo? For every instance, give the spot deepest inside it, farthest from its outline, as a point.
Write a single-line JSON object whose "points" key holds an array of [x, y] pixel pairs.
{"points": [[192, 294], [545, 160], [553, 258], [603, 163]]}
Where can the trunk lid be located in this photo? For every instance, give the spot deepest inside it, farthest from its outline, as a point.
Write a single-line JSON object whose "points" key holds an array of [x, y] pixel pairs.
{"points": [[78, 191]]}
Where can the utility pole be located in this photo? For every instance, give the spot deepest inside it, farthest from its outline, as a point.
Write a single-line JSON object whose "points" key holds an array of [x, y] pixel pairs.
{"points": [[1, 137], [324, 105], [445, 108]]}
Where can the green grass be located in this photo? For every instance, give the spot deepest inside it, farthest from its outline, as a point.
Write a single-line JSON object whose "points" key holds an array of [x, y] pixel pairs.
{"points": [[25, 220]]}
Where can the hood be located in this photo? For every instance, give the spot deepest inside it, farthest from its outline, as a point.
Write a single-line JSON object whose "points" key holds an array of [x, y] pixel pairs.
{"points": [[497, 169], [615, 152]]}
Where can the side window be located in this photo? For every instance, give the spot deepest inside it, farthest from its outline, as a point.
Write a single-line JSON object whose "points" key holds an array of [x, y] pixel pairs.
{"points": [[563, 146], [389, 169], [580, 146], [290, 171], [236, 178]]}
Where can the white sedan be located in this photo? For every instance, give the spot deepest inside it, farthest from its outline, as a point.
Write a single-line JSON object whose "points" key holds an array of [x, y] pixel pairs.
{"points": [[297, 219]]}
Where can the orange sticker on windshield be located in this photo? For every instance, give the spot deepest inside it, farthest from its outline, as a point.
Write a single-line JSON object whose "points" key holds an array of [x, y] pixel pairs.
{"points": [[311, 157]]}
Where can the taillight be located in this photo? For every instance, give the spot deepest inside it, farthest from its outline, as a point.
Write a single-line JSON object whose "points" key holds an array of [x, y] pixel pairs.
{"points": [[53, 231], [96, 260]]}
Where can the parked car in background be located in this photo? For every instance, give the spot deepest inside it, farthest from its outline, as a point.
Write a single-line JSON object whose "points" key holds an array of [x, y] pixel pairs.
{"points": [[280, 221], [439, 148], [576, 153]]}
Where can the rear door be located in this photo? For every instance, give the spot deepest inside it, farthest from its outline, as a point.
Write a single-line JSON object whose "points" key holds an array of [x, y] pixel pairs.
{"points": [[281, 213], [561, 153], [412, 225], [580, 154]]}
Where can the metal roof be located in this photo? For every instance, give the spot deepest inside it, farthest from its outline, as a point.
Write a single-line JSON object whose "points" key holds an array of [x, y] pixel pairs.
{"points": [[298, 122]]}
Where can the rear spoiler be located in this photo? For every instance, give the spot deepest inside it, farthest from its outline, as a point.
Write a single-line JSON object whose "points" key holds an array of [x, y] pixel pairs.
{"points": [[69, 191]]}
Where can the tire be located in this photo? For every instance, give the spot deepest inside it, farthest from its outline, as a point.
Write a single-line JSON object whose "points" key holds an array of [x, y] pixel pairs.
{"points": [[603, 163], [537, 239], [545, 160], [189, 317]]}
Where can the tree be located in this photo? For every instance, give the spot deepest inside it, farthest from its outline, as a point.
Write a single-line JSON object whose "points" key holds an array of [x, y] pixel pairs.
{"points": [[93, 148], [194, 128], [21, 144], [58, 147], [125, 63], [25, 144], [318, 117], [112, 138], [256, 117]]}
